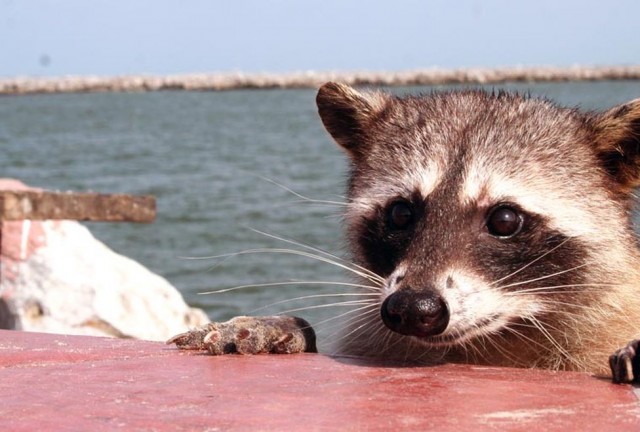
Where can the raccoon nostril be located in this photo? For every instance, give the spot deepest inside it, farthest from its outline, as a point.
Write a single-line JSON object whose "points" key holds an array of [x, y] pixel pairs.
{"points": [[449, 283], [415, 313]]}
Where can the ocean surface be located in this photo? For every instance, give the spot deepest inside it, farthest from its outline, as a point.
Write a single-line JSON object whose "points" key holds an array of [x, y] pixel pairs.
{"points": [[231, 171]]}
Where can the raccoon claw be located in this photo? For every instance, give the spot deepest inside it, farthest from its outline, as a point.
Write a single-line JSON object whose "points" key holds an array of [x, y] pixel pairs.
{"points": [[193, 339], [250, 335], [625, 363]]}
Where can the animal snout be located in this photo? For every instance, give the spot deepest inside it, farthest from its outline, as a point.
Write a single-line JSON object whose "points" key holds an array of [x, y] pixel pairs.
{"points": [[415, 313]]}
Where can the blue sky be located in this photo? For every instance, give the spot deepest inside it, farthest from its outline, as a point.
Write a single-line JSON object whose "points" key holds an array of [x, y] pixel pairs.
{"points": [[111, 37]]}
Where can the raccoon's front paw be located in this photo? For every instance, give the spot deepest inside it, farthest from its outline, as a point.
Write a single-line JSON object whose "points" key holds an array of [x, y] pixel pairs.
{"points": [[625, 363], [250, 335]]}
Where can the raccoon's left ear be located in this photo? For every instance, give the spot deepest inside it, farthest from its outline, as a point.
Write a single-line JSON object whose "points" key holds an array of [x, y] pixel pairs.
{"points": [[618, 144], [347, 114]]}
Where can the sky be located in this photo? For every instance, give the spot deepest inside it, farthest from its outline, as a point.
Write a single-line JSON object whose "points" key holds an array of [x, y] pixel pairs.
{"points": [[112, 37]]}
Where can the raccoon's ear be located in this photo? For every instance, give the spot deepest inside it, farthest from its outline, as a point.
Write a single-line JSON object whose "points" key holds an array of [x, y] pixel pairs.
{"points": [[618, 144], [347, 114]]}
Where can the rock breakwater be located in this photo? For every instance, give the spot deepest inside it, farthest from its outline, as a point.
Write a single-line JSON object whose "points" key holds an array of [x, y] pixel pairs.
{"points": [[230, 81]]}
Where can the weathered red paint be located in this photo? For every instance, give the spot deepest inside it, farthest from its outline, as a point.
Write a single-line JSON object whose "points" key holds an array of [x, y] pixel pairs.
{"points": [[53, 382]]}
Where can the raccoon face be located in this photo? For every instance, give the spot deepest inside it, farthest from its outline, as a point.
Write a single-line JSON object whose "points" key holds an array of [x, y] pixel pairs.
{"points": [[482, 210]]}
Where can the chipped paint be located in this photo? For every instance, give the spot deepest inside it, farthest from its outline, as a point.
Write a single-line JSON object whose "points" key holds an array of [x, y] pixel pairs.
{"points": [[525, 415]]}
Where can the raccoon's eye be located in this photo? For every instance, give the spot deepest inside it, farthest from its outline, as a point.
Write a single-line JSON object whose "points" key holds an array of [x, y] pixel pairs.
{"points": [[504, 221], [400, 215]]}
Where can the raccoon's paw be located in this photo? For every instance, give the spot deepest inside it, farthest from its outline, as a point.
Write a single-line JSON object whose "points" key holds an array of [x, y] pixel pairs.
{"points": [[625, 363], [251, 335]]}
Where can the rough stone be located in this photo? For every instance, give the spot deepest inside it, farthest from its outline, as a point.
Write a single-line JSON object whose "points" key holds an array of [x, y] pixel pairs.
{"points": [[312, 79], [56, 277], [45, 205]]}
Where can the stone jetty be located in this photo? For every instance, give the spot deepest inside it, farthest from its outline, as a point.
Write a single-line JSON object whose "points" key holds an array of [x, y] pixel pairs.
{"points": [[311, 79]]}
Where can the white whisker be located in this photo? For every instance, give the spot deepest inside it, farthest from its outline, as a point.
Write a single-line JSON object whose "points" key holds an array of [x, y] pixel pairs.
{"points": [[370, 276], [352, 311], [510, 275], [322, 203], [364, 317], [337, 304], [363, 311], [362, 270], [293, 282], [299, 195], [525, 337], [543, 277], [554, 289], [538, 324], [314, 296]]}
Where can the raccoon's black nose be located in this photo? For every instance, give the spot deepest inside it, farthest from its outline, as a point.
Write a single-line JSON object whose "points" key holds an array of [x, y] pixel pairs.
{"points": [[415, 313]]}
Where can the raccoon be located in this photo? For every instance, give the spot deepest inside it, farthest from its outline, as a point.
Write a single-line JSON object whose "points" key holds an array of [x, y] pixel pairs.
{"points": [[498, 226]]}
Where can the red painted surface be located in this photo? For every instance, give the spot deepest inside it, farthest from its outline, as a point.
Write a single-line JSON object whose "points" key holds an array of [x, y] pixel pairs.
{"points": [[18, 239], [52, 382]]}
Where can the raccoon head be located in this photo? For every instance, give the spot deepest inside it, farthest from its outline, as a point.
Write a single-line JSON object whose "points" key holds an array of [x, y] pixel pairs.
{"points": [[483, 210]]}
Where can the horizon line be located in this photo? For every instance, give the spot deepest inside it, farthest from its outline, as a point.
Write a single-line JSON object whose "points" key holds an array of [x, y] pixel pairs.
{"points": [[220, 81]]}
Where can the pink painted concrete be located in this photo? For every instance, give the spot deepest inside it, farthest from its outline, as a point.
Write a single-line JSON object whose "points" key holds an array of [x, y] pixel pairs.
{"points": [[18, 239], [53, 382]]}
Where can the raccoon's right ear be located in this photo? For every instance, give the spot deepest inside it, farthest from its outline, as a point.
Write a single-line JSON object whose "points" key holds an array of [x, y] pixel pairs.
{"points": [[618, 144], [347, 114]]}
